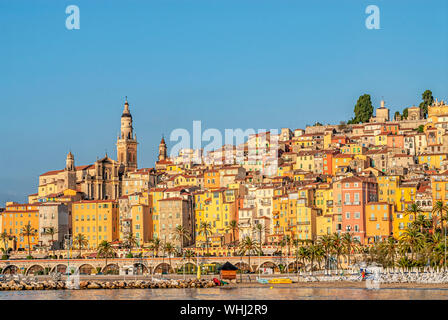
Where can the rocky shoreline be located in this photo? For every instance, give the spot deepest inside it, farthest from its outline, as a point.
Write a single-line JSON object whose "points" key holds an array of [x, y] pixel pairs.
{"points": [[14, 285]]}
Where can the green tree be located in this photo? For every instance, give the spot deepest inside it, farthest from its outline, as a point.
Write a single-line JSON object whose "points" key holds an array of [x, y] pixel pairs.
{"points": [[205, 229], [421, 128], [155, 245], [259, 228], [233, 227], [363, 109], [338, 247], [437, 210], [412, 239], [169, 249], [349, 244], [129, 241], [181, 233], [105, 251], [4, 236], [428, 99], [405, 113], [28, 231], [51, 231], [80, 241], [326, 242], [248, 246]]}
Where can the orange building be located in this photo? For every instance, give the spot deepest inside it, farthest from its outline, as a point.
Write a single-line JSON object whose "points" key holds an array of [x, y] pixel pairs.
{"points": [[211, 179], [395, 141], [15, 218], [378, 221]]}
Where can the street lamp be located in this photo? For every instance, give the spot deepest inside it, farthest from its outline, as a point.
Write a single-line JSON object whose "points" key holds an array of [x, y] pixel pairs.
{"points": [[68, 243]]}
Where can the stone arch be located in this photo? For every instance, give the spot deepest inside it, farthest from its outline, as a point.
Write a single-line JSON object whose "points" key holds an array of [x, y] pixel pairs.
{"points": [[111, 268], [140, 268], [189, 267], [86, 269], [163, 268], [61, 268], [35, 269], [11, 269], [269, 264], [243, 266]]}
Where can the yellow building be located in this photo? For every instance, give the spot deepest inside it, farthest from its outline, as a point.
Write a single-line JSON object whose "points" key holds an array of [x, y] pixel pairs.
{"points": [[299, 175], [305, 161], [217, 208], [378, 221], [294, 217], [156, 195], [323, 200], [97, 220], [433, 160], [381, 140], [439, 187], [185, 180], [15, 218], [353, 148], [173, 169], [405, 195], [341, 161], [285, 170], [141, 217], [387, 188]]}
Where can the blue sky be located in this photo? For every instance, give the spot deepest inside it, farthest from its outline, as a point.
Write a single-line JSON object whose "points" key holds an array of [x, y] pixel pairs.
{"points": [[230, 63]]}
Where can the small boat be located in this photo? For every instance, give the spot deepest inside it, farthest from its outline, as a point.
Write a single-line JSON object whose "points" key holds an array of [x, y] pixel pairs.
{"points": [[280, 280], [263, 281]]}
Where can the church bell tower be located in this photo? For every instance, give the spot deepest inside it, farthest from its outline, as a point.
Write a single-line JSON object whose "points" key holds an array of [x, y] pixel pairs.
{"points": [[127, 141]]}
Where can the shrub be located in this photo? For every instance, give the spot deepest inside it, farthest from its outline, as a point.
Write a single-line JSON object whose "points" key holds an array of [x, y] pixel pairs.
{"points": [[5, 257], [29, 257], [129, 255]]}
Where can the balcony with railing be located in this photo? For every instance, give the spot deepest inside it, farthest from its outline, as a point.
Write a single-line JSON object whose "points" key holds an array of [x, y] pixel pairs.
{"points": [[372, 219]]}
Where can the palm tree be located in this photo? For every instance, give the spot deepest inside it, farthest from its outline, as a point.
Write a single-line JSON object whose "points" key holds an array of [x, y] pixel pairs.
{"points": [[105, 250], [288, 241], [422, 223], [81, 241], [259, 228], [327, 245], [28, 231], [437, 210], [350, 244], [390, 247], [412, 239], [189, 254], [181, 233], [233, 227], [205, 229], [337, 247], [169, 249], [303, 253], [129, 241], [51, 231], [4, 236], [155, 245], [317, 252], [248, 246], [413, 209]]}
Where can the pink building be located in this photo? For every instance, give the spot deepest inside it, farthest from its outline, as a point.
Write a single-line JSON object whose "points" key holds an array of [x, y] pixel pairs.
{"points": [[356, 193]]}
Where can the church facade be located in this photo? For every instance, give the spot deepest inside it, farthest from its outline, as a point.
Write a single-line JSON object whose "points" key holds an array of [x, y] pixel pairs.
{"points": [[102, 180]]}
